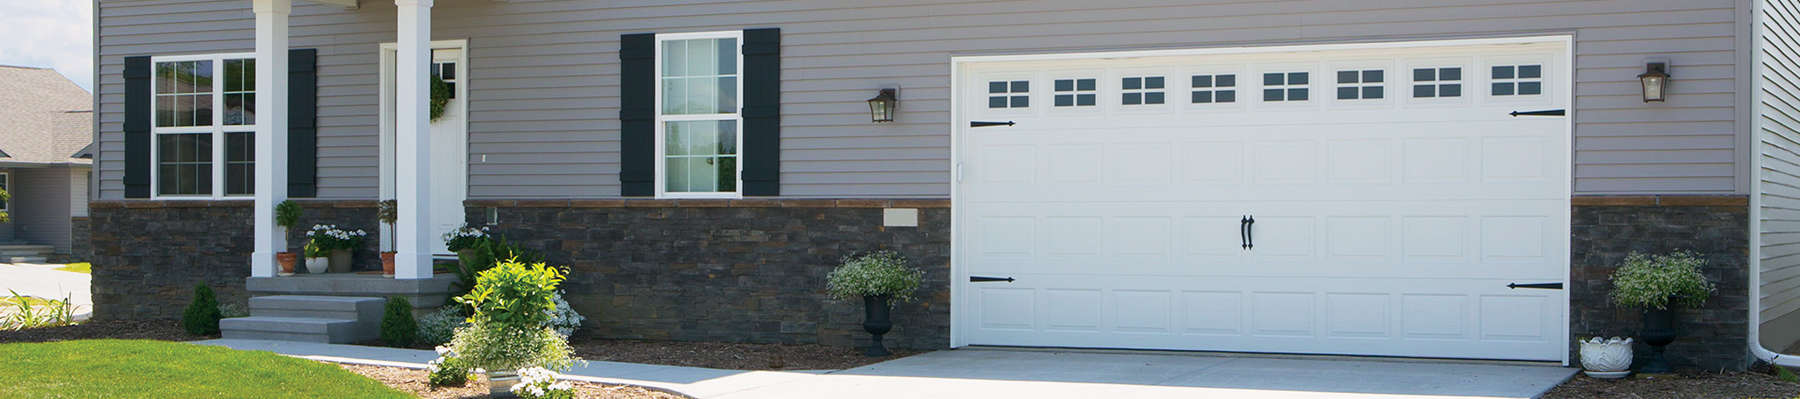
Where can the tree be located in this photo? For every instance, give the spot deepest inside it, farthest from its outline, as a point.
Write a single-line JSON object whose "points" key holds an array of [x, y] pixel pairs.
{"points": [[3, 197]]}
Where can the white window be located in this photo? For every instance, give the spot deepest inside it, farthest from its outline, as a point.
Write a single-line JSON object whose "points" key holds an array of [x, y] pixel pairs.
{"points": [[1009, 94], [1209, 89], [697, 119], [1285, 86], [1076, 92], [1141, 90], [198, 152], [1360, 84], [1441, 82], [1520, 80]]}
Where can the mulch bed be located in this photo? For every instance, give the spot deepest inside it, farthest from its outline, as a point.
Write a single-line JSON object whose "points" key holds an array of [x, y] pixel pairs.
{"points": [[724, 355], [414, 382], [1687, 384], [161, 330]]}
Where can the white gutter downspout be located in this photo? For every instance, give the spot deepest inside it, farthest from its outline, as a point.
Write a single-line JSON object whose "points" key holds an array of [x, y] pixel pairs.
{"points": [[1756, 190]]}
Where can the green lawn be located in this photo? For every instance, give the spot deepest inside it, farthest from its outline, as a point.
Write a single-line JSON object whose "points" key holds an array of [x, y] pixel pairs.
{"points": [[83, 268], [158, 369]]}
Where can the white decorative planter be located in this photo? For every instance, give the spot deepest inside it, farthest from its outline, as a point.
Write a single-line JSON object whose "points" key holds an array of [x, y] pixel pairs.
{"points": [[1606, 358], [500, 383], [317, 265]]}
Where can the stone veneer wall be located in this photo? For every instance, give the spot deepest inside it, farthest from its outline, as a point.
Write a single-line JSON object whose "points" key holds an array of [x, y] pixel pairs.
{"points": [[148, 254], [1606, 229], [80, 235], [736, 271]]}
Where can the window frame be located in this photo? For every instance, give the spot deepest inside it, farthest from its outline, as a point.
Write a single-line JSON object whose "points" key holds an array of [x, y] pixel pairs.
{"points": [[737, 115], [6, 185], [216, 129]]}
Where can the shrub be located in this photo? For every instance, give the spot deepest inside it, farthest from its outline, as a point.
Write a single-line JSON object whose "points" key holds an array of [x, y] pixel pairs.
{"points": [[397, 325], [30, 312], [1657, 281], [232, 310], [202, 315], [873, 274], [437, 328], [287, 214], [513, 302], [565, 320], [539, 383], [487, 345], [447, 370]]}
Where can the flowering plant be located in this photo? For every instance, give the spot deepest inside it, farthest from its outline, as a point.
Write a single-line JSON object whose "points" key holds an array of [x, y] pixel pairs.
{"points": [[447, 370], [1657, 281], [541, 383], [330, 237], [564, 318], [464, 237], [874, 274]]}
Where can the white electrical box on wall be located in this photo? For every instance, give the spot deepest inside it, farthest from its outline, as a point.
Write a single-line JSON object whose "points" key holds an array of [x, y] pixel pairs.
{"points": [[900, 217]]}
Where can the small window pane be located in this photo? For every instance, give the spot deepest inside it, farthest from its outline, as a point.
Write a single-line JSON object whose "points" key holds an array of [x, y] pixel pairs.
{"points": [[1021, 86], [1225, 96], [165, 77], [1450, 73], [996, 87], [675, 57], [1274, 79], [727, 56], [1530, 71], [1203, 81], [1084, 84], [1084, 100], [675, 96], [1424, 74], [1153, 82], [1371, 92], [1133, 98], [1132, 83], [1065, 85], [1273, 94], [1155, 97], [1203, 97], [1503, 89], [1346, 93], [997, 102], [1424, 91], [1530, 88], [1065, 100], [165, 111], [1297, 78], [1373, 76], [1346, 77], [1021, 101], [240, 166], [1297, 94], [1503, 72], [1225, 81], [1450, 90], [449, 72]]}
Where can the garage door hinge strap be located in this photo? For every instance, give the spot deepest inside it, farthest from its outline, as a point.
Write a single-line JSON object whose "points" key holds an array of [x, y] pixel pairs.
{"points": [[1541, 286], [985, 279], [986, 123], [1547, 112]]}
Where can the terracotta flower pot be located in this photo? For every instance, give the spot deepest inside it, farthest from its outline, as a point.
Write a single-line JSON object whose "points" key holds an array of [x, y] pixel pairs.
{"points": [[286, 260], [387, 263]]}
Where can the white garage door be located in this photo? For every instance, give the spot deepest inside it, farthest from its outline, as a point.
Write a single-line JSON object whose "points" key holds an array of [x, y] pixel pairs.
{"points": [[1392, 195]]}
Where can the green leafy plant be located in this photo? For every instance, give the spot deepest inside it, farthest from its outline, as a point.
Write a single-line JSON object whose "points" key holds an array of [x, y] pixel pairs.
{"points": [[1658, 281], [202, 315], [4, 217], [494, 346], [398, 328], [287, 214], [330, 237], [513, 302], [447, 370], [440, 97], [483, 255], [232, 310], [314, 250], [874, 274], [30, 312]]}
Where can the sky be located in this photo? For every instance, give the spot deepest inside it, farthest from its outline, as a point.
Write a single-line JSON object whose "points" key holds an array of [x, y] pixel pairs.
{"points": [[50, 33]]}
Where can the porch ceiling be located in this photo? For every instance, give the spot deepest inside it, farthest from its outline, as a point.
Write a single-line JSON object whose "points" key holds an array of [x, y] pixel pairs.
{"points": [[350, 4]]}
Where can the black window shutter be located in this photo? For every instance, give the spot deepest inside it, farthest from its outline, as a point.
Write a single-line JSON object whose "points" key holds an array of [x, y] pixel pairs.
{"points": [[637, 115], [137, 127], [303, 126], [762, 112]]}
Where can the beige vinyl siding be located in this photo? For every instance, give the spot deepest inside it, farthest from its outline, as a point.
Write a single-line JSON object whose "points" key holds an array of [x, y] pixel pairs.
{"points": [[544, 90], [1778, 88]]}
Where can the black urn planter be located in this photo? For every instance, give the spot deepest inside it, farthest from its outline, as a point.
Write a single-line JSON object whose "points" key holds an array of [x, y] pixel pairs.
{"points": [[875, 321], [1658, 332]]}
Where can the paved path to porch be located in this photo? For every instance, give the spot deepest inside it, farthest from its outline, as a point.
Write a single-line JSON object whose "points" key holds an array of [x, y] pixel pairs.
{"points": [[992, 373], [44, 281]]}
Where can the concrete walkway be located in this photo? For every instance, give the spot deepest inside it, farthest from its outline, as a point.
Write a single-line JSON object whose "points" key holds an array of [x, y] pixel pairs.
{"points": [[991, 373], [44, 281]]}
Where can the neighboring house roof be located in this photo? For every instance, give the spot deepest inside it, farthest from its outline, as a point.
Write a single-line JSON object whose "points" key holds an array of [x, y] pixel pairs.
{"points": [[47, 118]]}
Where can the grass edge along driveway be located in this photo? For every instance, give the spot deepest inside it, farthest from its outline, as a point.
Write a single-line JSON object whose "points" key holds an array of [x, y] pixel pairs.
{"points": [[109, 368]]}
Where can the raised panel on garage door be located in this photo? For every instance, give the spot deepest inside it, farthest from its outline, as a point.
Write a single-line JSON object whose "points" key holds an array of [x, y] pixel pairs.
{"points": [[1386, 225]]}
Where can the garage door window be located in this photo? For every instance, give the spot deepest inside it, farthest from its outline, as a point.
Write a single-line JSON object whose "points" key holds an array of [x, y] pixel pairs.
{"points": [[1360, 84], [1009, 94], [1141, 90], [1437, 82], [1521, 80], [1075, 92], [1221, 88], [1285, 86]]}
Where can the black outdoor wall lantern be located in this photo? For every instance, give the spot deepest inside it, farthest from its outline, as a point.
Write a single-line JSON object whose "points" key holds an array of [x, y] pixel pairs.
{"points": [[1656, 81], [881, 108]]}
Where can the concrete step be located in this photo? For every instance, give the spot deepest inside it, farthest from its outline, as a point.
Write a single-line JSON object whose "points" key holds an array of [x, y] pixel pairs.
{"points": [[323, 307], [302, 329]]}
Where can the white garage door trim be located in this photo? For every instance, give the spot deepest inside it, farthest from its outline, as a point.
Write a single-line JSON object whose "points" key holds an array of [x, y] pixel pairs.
{"points": [[1562, 94]]}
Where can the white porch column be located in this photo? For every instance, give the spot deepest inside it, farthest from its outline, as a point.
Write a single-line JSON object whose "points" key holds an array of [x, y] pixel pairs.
{"points": [[412, 140], [271, 130]]}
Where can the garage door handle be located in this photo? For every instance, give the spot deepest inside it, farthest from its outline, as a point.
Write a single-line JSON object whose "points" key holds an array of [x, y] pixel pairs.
{"points": [[1244, 232], [987, 123], [1250, 232], [1547, 112], [985, 279], [1541, 286]]}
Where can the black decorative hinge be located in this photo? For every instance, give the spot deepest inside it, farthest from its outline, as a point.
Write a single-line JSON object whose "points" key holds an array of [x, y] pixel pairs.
{"points": [[986, 123], [1547, 112], [985, 279], [1541, 286]]}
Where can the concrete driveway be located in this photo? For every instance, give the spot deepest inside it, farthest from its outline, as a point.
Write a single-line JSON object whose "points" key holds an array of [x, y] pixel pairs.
{"points": [[1002, 373], [44, 281]]}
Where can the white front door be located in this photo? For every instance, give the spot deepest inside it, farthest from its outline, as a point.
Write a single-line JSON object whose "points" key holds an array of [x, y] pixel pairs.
{"points": [[449, 141], [1393, 200]]}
